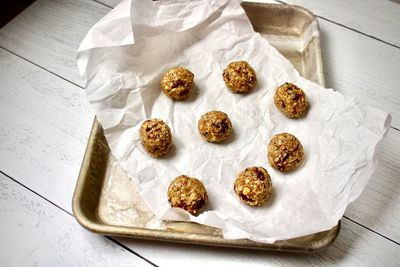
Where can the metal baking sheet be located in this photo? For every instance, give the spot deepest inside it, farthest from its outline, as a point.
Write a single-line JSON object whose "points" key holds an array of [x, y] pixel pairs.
{"points": [[106, 201]]}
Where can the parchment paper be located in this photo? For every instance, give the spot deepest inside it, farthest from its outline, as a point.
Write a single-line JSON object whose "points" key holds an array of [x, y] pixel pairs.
{"points": [[122, 59]]}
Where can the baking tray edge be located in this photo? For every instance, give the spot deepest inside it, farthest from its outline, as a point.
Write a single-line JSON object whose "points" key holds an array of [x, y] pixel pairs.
{"points": [[88, 189]]}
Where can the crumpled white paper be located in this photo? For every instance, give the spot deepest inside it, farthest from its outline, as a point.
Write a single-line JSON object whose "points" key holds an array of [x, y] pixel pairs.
{"points": [[122, 59]]}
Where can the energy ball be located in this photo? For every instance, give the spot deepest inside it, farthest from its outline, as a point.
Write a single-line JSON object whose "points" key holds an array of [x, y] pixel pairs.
{"points": [[155, 137], [187, 193], [253, 186], [290, 100], [285, 152], [240, 77], [215, 126], [177, 83]]}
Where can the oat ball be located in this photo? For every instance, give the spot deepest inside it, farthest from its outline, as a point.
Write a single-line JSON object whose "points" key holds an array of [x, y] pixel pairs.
{"points": [[215, 126], [177, 83], [155, 137], [285, 152], [240, 77], [187, 193], [253, 186], [290, 100]]}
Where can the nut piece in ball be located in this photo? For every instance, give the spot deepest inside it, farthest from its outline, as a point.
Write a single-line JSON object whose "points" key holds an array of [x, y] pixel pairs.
{"points": [[253, 186], [290, 100], [187, 193], [285, 152], [240, 77], [155, 137], [215, 126], [177, 83]]}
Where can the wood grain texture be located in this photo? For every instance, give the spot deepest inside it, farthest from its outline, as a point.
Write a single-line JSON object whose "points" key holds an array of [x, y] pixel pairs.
{"points": [[355, 246], [44, 126], [49, 33], [348, 56], [378, 206], [42, 145], [45, 121], [377, 18], [35, 233], [362, 68]]}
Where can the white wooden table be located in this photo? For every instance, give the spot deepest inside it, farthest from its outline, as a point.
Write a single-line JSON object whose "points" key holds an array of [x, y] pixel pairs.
{"points": [[45, 123]]}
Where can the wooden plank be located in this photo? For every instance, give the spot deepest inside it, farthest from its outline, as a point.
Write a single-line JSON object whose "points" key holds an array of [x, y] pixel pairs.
{"points": [[49, 33], [377, 18], [34, 232], [378, 206], [355, 246], [44, 126], [348, 57], [361, 68]]}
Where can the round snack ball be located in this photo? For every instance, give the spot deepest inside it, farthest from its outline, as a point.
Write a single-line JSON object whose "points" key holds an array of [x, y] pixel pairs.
{"points": [[177, 83], [253, 186], [240, 77], [155, 137], [187, 193], [290, 100], [215, 126], [285, 152]]}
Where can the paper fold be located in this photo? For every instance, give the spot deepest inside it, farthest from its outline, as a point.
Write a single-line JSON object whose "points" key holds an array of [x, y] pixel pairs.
{"points": [[122, 59]]}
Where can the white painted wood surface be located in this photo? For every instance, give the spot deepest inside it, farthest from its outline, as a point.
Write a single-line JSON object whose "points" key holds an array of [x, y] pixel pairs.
{"points": [[34, 232], [45, 122], [376, 18], [355, 246]]}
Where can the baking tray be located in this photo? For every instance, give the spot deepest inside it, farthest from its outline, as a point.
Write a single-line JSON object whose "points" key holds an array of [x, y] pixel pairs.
{"points": [[106, 201]]}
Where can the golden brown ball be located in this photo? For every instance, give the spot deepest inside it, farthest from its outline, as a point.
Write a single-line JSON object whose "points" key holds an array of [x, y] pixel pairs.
{"points": [[156, 137], [253, 186], [187, 193], [240, 77], [285, 152], [177, 83]]}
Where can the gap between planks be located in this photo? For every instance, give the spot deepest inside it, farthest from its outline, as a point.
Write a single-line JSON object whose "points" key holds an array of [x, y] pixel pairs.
{"points": [[67, 212]]}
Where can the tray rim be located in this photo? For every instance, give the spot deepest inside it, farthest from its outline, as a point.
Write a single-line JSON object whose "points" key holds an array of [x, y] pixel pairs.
{"points": [[185, 237]]}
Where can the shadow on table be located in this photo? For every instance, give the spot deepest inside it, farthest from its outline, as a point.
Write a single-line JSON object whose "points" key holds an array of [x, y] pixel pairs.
{"points": [[10, 9]]}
